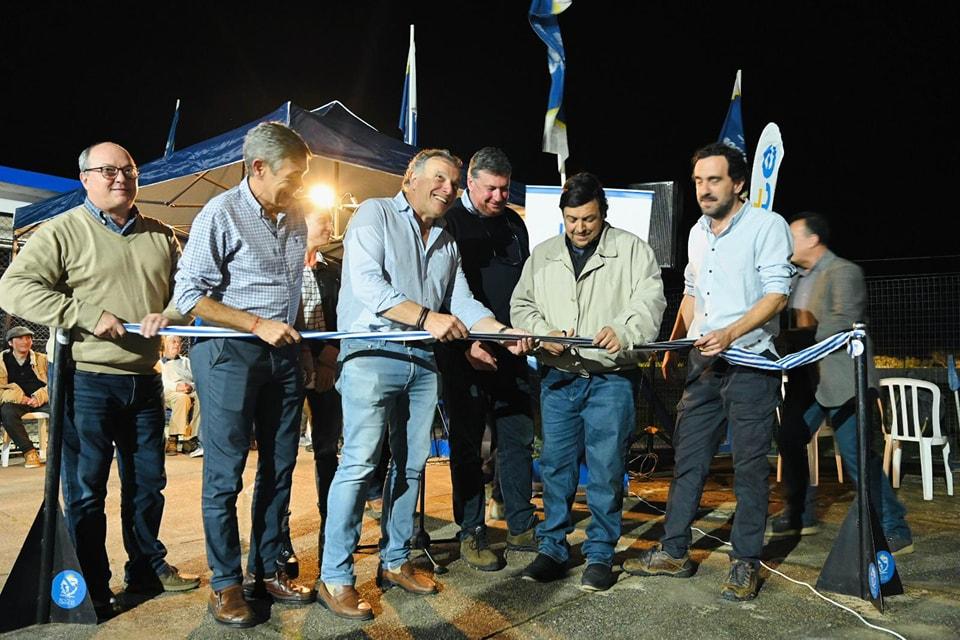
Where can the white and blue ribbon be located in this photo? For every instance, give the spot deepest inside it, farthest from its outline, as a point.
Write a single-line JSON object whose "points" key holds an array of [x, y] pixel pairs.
{"points": [[734, 355]]}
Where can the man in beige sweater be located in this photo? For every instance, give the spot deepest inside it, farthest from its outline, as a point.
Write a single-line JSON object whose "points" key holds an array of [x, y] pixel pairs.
{"points": [[90, 270]]}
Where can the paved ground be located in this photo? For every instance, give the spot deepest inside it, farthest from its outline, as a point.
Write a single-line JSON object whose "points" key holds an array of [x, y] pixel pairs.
{"points": [[474, 604]]}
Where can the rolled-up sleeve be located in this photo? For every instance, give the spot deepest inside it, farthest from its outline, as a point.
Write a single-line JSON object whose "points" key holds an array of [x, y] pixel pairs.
{"points": [[773, 250], [200, 266], [364, 256]]}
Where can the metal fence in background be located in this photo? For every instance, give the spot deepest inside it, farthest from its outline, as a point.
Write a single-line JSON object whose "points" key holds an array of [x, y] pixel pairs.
{"points": [[914, 321]]}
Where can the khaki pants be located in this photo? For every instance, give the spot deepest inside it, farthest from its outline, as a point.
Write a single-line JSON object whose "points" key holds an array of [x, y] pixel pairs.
{"points": [[185, 413]]}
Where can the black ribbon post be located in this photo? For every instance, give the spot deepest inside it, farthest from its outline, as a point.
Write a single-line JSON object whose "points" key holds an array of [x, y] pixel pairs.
{"points": [[860, 563], [46, 584]]}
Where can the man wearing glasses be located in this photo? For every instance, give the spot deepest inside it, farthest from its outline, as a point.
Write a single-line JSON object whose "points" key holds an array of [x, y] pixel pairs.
{"points": [[481, 379], [90, 270], [243, 269]]}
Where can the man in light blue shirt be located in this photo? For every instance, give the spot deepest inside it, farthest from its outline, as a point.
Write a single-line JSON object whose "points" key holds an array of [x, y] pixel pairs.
{"points": [[736, 283], [401, 271]]}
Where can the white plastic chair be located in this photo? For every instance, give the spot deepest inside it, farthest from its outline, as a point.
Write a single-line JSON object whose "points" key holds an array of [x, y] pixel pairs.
{"points": [[905, 426], [41, 419]]}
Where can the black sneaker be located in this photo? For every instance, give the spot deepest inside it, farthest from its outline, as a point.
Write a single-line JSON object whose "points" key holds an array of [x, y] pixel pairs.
{"points": [[597, 577], [900, 546], [742, 583], [788, 526], [544, 569], [657, 562]]}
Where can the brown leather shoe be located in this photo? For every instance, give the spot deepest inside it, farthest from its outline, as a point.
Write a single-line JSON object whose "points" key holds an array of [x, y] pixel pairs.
{"points": [[279, 587], [230, 609], [343, 601], [407, 579]]}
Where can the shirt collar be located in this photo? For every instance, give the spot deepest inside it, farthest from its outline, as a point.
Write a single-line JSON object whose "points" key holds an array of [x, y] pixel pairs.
{"points": [[107, 220], [705, 220], [468, 203], [404, 207], [247, 194]]}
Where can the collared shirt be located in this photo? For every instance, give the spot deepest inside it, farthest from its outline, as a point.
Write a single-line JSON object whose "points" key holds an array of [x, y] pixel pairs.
{"points": [[312, 300], [729, 273], [803, 287], [107, 220], [238, 256], [385, 262]]}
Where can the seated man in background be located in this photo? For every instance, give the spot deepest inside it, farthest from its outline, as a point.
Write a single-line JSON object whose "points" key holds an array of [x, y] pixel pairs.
{"points": [[180, 396], [23, 389]]}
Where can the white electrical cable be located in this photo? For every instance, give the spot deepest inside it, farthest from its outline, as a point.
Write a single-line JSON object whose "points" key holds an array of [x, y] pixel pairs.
{"points": [[785, 576]]}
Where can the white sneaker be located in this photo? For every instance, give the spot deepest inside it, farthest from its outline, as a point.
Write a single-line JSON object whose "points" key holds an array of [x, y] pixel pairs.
{"points": [[197, 453]]}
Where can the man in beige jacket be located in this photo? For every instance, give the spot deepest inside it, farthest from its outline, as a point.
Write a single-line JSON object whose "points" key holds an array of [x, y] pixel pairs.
{"points": [[23, 389], [597, 281]]}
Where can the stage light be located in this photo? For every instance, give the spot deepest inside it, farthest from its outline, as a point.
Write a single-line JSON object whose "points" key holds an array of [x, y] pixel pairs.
{"points": [[322, 195]]}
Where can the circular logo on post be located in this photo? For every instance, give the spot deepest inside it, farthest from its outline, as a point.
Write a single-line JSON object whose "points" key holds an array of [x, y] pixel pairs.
{"points": [[855, 348], [68, 589], [886, 565], [874, 579]]}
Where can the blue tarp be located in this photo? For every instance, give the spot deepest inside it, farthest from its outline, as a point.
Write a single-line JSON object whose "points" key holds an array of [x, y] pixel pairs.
{"points": [[331, 131]]}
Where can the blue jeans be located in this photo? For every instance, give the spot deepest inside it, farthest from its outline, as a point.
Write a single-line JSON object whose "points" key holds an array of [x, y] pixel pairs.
{"points": [[102, 411], [593, 418], [246, 387], [802, 416], [465, 395], [381, 383]]}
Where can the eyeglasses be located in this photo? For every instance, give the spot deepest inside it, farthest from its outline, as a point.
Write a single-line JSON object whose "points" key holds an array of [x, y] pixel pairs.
{"points": [[110, 172]]}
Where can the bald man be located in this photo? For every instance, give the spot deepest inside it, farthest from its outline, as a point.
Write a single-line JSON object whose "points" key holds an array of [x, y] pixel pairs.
{"points": [[90, 270]]}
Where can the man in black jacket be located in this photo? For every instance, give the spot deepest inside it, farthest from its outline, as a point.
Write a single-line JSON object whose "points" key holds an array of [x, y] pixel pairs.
{"points": [[484, 378]]}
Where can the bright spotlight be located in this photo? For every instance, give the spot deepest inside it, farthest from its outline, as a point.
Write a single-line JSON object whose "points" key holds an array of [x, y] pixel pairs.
{"points": [[322, 195]]}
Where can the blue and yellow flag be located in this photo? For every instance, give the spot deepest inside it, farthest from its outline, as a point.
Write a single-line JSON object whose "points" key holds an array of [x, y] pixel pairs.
{"points": [[543, 19], [408, 108], [732, 132]]}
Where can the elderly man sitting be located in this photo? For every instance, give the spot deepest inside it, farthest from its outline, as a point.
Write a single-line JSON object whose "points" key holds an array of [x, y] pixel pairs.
{"points": [[180, 395], [23, 389]]}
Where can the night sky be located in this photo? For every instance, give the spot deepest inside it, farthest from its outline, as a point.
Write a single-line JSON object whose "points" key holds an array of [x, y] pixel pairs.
{"points": [[865, 95]]}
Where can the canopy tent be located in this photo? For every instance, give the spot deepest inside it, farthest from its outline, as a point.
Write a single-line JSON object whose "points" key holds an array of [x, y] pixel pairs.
{"points": [[352, 157]]}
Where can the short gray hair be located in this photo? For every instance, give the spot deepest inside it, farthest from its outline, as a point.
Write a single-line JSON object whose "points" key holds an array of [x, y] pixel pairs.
{"points": [[492, 160], [272, 142], [416, 163]]}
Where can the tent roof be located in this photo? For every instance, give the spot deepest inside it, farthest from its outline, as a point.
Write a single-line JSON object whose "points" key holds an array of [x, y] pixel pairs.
{"points": [[332, 132]]}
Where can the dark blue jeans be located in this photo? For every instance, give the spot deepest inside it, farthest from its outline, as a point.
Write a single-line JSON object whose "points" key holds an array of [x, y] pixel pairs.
{"points": [[589, 418], [802, 417], [246, 387], [716, 393], [467, 396], [102, 410]]}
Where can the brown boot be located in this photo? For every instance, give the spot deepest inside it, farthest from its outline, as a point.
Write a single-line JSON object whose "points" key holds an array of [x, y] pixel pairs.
{"points": [[31, 459], [229, 608], [407, 579], [171, 449]]}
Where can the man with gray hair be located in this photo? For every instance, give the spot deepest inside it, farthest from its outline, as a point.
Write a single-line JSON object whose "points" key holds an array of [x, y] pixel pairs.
{"points": [[401, 271], [242, 269], [482, 379]]}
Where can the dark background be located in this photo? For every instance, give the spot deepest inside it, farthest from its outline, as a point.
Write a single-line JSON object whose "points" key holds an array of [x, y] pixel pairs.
{"points": [[864, 93]]}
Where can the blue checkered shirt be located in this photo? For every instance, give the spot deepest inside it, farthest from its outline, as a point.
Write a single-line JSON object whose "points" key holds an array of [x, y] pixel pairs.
{"points": [[237, 256]]}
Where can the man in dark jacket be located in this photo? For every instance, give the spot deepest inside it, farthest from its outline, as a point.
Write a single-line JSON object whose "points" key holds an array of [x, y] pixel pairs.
{"points": [[482, 378]]}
